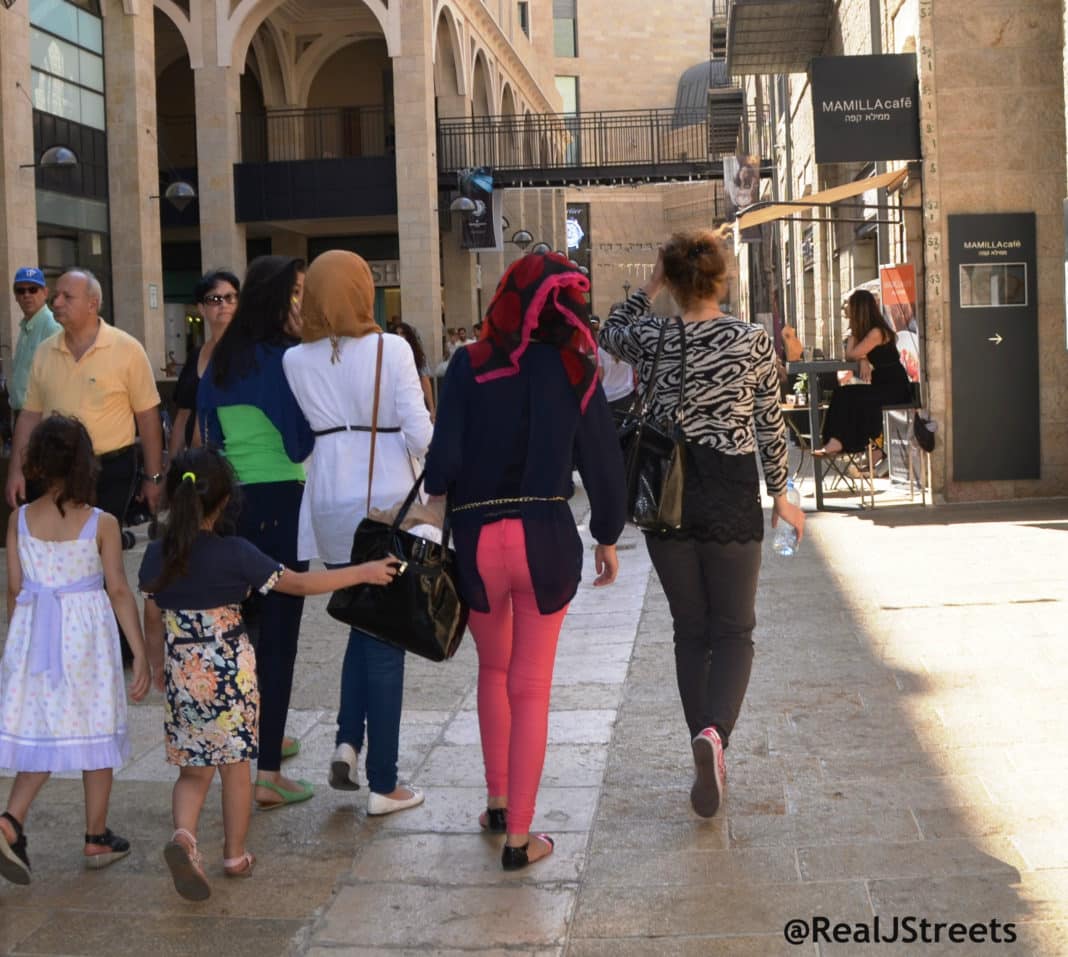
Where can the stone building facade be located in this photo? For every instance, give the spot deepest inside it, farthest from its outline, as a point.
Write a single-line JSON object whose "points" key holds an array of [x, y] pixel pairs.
{"points": [[304, 125], [992, 81], [310, 125]]}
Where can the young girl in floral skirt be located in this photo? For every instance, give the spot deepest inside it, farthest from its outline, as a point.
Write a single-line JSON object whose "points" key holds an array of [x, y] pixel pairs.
{"points": [[62, 702], [194, 581]]}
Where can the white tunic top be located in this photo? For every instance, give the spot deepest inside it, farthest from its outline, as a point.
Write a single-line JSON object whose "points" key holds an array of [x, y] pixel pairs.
{"points": [[342, 394], [618, 378]]}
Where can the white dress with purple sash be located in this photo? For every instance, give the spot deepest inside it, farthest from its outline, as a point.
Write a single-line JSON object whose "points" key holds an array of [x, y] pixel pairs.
{"points": [[62, 695]]}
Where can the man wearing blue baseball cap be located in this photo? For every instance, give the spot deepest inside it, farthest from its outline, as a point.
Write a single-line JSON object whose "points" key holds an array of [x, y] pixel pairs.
{"points": [[31, 293]]}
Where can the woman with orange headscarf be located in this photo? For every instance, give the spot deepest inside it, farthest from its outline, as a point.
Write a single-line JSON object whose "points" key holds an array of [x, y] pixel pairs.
{"points": [[333, 376]]}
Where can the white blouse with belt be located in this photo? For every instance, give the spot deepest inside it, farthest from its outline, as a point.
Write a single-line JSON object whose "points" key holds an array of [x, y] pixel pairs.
{"points": [[341, 394]]}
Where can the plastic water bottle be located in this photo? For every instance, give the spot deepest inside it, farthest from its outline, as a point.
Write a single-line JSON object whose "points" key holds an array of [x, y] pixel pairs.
{"points": [[785, 534]]}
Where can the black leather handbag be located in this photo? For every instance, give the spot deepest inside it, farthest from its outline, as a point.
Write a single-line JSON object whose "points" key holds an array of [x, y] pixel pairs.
{"points": [[654, 453], [420, 610]]}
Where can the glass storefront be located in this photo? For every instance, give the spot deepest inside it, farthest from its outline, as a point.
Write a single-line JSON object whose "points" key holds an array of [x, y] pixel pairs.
{"points": [[67, 74]]}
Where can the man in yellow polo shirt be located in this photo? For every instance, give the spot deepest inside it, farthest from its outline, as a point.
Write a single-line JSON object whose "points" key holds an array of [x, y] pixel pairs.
{"points": [[101, 375]]}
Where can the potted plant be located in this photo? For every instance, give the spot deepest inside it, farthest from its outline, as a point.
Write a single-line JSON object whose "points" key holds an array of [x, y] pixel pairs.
{"points": [[801, 388]]}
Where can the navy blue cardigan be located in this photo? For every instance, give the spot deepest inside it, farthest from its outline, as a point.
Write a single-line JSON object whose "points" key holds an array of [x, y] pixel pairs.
{"points": [[520, 436]]}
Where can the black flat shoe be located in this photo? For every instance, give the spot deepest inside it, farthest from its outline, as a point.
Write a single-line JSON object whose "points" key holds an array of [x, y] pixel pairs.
{"points": [[515, 858], [496, 820]]}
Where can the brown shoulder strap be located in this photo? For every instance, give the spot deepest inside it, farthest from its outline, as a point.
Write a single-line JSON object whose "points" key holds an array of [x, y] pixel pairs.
{"points": [[374, 421]]}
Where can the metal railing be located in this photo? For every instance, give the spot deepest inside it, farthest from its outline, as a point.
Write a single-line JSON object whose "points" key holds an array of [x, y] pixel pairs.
{"points": [[755, 134], [597, 140], [329, 133]]}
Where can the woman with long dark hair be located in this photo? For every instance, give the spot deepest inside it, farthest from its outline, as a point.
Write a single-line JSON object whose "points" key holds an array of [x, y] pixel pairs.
{"points": [[409, 335], [517, 408], [729, 412], [216, 295], [246, 408], [855, 414]]}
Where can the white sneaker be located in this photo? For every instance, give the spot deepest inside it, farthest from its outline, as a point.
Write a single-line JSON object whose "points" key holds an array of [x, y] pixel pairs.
{"points": [[710, 784], [344, 774], [378, 804]]}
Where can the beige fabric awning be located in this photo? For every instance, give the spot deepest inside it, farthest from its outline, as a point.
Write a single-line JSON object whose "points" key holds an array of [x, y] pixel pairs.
{"points": [[833, 195]]}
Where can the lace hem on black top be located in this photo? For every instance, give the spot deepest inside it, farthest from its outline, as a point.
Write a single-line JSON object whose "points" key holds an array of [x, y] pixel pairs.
{"points": [[721, 498]]}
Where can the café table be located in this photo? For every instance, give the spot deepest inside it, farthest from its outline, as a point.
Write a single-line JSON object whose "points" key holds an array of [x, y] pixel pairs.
{"points": [[814, 368]]}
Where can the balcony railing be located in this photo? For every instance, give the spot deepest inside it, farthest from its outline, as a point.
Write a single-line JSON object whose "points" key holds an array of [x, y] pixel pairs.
{"points": [[755, 134], [595, 143], [333, 133]]}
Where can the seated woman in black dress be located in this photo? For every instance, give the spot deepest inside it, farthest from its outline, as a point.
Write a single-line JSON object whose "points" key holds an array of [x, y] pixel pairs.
{"points": [[855, 414]]}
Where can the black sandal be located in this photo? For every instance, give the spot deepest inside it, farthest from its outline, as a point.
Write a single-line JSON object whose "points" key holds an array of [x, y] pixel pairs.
{"points": [[14, 860], [496, 820], [119, 848], [515, 858]]}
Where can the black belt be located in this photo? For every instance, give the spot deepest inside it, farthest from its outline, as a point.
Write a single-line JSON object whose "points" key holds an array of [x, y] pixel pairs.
{"points": [[355, 428], [115, 454]]}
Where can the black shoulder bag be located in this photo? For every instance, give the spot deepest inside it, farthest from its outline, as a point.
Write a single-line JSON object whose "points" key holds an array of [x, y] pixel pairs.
{"points": [[421, 610], [654, 453]]}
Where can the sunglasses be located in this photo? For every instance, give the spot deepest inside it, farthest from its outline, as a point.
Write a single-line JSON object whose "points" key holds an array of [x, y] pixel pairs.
{"points": [[230, 299], [27, 290]]}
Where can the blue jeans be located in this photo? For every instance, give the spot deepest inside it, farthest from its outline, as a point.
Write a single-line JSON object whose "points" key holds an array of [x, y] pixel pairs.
{"points": [[372, 691]]}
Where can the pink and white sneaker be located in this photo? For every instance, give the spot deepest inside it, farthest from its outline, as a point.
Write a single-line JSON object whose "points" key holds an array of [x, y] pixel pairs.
{"points": [[711, 782]]}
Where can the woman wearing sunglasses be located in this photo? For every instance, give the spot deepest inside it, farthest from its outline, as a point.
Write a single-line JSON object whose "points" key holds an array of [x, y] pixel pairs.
{"points": [[216, 298]]}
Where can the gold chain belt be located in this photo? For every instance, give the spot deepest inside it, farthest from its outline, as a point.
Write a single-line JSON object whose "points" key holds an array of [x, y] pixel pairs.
{"points": [[521, 500]]}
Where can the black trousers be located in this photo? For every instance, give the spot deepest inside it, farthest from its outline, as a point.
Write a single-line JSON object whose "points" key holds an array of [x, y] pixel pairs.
{"points": [[115, 484], [268, 518], [114, 491], [711, 591]]}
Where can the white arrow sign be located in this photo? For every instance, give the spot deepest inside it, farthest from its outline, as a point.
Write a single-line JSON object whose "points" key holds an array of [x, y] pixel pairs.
{"points": [[995, 338]]}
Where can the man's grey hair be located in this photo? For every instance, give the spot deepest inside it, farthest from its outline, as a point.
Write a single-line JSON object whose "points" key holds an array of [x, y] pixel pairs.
{"points": [[92, 284]]}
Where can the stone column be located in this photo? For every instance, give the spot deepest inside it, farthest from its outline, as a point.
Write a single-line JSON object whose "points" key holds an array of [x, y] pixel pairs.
{"points": [[458, 264], [18, 205], [417, 176], [133, 178], [218, 101]]}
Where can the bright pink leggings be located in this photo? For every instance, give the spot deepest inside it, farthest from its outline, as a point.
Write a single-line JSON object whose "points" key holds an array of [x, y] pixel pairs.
{"points": [[516, 651]]}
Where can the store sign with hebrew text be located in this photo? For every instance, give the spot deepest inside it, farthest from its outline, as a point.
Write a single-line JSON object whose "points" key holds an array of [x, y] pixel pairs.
{"points": [[866, 108]]}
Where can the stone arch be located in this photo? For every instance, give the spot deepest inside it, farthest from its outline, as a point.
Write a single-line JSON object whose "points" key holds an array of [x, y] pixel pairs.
{"points": [[482, 98], [248, 15], [449, 54], [178, 17], [274, 66], [510, 145], [316, 56], [372, 56]]}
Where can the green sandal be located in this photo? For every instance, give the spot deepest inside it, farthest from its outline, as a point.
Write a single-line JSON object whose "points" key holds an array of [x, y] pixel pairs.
{"points": [[288, 797], [290, 750]]}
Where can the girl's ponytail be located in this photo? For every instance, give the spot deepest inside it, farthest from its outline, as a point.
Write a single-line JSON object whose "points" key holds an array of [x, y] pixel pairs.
{"points": [[199, 483]]}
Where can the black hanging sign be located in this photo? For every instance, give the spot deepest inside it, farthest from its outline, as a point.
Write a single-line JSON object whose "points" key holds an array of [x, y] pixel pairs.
{"points": [[866, 108]]}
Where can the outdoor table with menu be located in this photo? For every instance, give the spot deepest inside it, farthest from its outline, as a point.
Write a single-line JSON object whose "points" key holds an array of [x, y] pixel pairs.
{"points": [[814, 367]]}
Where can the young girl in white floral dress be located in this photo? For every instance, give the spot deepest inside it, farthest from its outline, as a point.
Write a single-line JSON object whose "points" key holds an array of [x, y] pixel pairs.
{"points": [[62, 702], [194, 581]]}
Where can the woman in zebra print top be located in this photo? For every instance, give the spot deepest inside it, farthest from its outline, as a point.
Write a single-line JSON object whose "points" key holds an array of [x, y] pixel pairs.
{"points": [[729, 413]]}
